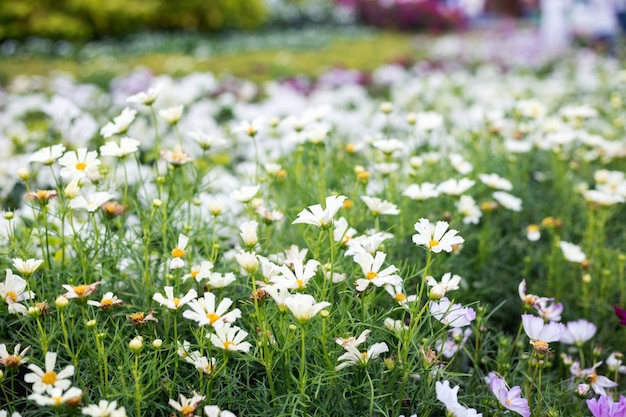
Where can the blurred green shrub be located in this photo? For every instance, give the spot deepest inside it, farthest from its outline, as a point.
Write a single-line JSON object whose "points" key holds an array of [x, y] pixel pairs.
{"points": [[90, 19]]}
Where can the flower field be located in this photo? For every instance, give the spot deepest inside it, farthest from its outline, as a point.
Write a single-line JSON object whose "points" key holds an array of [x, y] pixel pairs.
{"points": [[441, 238]]}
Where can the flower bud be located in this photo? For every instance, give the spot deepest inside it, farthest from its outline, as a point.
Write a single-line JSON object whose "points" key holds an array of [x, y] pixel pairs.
{"points": [[156, 203], [157, 343], [136, 344], [61, 302], [91, 323], [23, 173], [436, 293]]}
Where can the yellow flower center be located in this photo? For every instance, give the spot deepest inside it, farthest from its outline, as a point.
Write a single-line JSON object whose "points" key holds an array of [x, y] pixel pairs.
{"points": [[299, 282], [593, 377], [508, 402], [176, 301], [12, 295], [188, 409], [178, 253], [81, 166], [80, 290], [49, 378], [57, 400], [137, 316], [433, 243], [228, 344], [540, 347], [371, 275], [350, 148], [106, 303], [194, 273], [213, 317], [11, 361], [400, 297]]}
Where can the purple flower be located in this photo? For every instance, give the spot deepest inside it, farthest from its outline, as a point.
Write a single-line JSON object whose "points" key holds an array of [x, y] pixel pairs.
{"points": [[606, 407], [621, 315], [511, 399]]}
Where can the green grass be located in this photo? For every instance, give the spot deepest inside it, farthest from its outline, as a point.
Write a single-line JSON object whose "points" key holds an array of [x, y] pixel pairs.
{"points": [[268, 57]]}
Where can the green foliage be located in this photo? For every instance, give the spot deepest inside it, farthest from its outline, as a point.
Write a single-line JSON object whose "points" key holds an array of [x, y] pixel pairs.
{"points": [[88, 19]]}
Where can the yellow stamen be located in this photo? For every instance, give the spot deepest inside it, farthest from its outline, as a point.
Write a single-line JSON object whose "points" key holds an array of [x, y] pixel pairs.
{"points": [[178, 253], [400, 297], [227, 344], [194, 273], [57, 400], [176, 301], [433, 243], [49, 378], [80, 290], [81, 166], [371, 275], [11, 361], [299, 282], [12, 295], [213, 317], [106, 303], [187, 409]]}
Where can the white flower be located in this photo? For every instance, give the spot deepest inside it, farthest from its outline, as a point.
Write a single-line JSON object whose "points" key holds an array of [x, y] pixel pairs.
{"points": [[49, 380], [186, 406], [421, 192], [203, 311], [55, 396], [578, 332], [319, 217], [79, 164], [455, 187], [370, 266], [460, 164], [354, 357], [304, 307], [230, 338], [148, 98], [448, 396], [13, 291], [495, 181], [603, 198], [27, 267], [120, 124], [48, 155], [249, 233], [179, 252], [453, 315], [214, 411], [126, 147], [448, 283], [378, 206], [104, 409], [353, 341], [205, 140], [300, 276], [172, 114], [343, 232], [388, 146], [469, 209], [218, 280], [91, 202], [199, 272], [15, 359], [248, 261], [171, 302], [539, 333], [245, 194], [508, 201], [572, 252], [436, 237]]}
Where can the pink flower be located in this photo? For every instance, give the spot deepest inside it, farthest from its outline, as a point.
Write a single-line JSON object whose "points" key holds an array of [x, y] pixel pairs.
{"points": [[511, 399], [541, 334], [606, 407]]}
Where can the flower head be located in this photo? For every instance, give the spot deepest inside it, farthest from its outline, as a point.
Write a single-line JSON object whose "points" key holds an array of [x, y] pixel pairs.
{"points": [[178, 253], [80, 291], [27, 267], [371, 267], [17, 358], [606, 407], [104, 409], [172, 302], [120, 124], [13, 291], [578, 332], [204, 311], [79, 164], [108, 301], [436, 237], [541, 334], [46, 381], [511, 399], [380, 207], [186, 406], [230, 338], [319, 217], [304, 307]]}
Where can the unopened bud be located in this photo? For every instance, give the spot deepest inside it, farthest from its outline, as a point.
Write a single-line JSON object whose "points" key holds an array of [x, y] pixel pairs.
{"points": [[136, 344], [61, 302]]}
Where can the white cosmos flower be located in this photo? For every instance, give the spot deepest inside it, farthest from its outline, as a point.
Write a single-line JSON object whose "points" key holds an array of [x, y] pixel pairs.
{"points": [[91, 202], [448, 282], [172, 114], [148, 98], [469, 209], [572, 252], [172, 302], [539, 333], [249, 233], [495, 181], [48, 155], [104, 409], [436, 237], [460, 164], [28, 266], [578, 332], [245, 194], [299, 277], [319, 217], [46, 381], [204, 311], [304, 307], [455, 187], [453, 315], [354, 357], [603, 198], [371, 266], [178, 253], [422, 191], [78, 164], [215, 411], [378, 206], [13, 291], [186, 406], [120, 124], [55, 396], [508, 201], [230, 338], [125, 147]]}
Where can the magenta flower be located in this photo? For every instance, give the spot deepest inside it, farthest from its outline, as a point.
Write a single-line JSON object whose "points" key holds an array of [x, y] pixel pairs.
{"points": [[511, 399], [621, 315], [606, 407]]}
